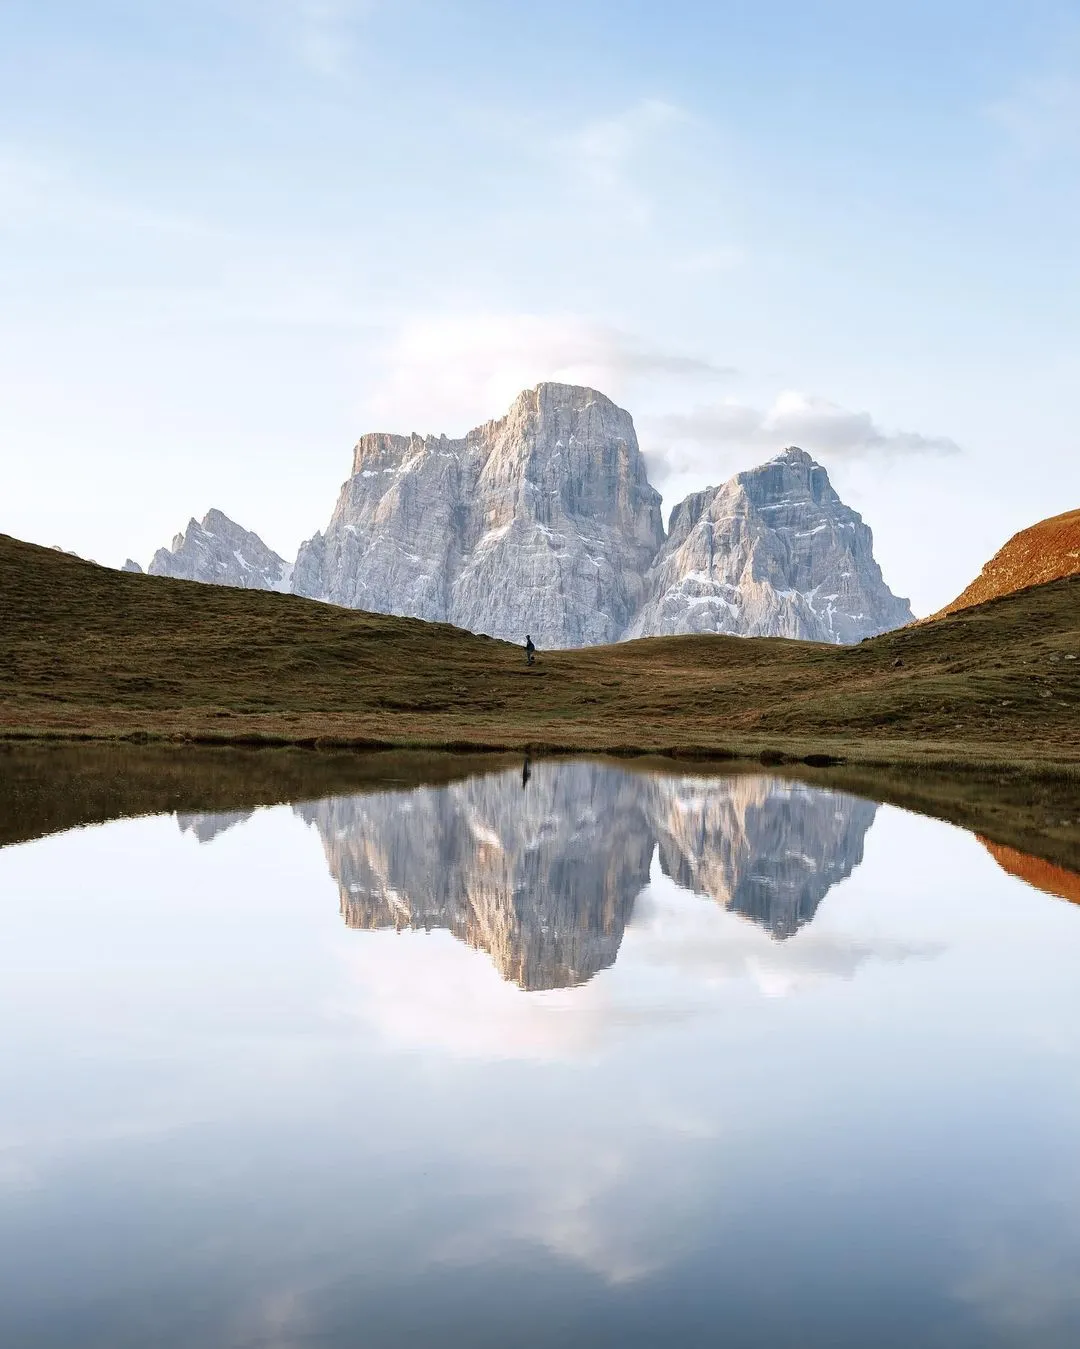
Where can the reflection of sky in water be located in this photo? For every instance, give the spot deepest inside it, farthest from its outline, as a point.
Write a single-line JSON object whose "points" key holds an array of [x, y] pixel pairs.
{"points": [[227, 1118]]}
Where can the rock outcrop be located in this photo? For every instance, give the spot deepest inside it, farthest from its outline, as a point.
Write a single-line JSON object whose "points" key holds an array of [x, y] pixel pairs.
{"points": [[131, 565], [220, 552], [772, 553], [542, 522], [1044, 552]]}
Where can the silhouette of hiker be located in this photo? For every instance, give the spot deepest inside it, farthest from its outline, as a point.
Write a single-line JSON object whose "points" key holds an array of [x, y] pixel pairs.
{"points": [[530, 650], [526, 773]]}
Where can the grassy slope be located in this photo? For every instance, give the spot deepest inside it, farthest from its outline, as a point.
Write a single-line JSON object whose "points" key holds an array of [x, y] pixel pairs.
{"points": [[87, 651]]}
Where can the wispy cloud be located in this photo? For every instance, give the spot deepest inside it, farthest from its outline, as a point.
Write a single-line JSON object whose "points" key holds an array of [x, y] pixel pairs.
{"points": [[36, 190], [448, 372], [608, 156], [815, 424], [322, 34], [1042, 116]]}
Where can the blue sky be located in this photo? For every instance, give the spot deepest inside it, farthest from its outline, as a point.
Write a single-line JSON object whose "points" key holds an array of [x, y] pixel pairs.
{"points": [[236, 234]]}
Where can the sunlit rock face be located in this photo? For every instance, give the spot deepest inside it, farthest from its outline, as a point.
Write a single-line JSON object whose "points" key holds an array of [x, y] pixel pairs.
{"points": [[542, 522], [764, 848], [772, 553], [542, 876], [219, 552]]}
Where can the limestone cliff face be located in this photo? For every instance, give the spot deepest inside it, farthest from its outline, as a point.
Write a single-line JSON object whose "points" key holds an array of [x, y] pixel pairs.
{"points": [[542, 522], [772, 553], [218, 551]]}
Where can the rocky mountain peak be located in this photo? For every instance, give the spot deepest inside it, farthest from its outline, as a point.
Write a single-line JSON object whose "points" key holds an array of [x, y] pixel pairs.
{"points": [[774, 552], [542, 521], [219, 551]]}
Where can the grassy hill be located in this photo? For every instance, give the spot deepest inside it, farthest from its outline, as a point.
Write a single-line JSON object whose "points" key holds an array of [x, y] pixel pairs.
{"points": [[1043, 552], [86, 651]]}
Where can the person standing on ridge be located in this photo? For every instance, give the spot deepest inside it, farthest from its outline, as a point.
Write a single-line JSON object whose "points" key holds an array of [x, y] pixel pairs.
{"points": [[530, 650]]}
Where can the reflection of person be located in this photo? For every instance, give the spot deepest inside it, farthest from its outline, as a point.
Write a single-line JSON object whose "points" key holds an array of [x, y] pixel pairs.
{"points": [[529, 649], [526, 773]]}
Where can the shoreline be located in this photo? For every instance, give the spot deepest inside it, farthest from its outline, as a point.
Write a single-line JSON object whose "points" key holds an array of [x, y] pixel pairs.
{"points": [[49, 785]]}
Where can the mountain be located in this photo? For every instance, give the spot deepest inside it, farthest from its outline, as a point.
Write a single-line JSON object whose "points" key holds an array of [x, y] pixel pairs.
{"points": [[1044, 552], [772, 553], [542, 522], [220, 552]]}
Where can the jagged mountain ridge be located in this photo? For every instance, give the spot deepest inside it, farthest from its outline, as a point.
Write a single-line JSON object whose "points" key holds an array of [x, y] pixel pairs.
{"points": [[541, 522], [218, 551], [772, 553], [544, 521]]}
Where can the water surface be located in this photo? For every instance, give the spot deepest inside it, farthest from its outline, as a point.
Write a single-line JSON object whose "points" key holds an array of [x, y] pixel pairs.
{"points": [[577, 1055]]}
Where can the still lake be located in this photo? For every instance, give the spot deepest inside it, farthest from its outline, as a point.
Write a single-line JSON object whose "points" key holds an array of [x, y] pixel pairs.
{"points": [[575, 1055]]}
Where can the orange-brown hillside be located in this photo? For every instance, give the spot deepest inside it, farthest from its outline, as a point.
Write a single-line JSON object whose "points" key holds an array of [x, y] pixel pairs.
{"points": [[1044, 552]]}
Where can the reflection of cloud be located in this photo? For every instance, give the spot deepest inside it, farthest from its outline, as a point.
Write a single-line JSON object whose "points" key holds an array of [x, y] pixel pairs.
{"points": [[698, 944], [576, 1206], [679, 951], [426, 989], [1029, 1288], [600, 1199]]}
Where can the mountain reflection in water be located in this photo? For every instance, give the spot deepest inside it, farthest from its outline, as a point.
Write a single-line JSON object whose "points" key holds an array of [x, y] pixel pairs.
{"points": [[545, 879]]}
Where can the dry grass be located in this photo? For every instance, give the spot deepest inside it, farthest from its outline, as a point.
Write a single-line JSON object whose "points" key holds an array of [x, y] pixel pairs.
{"points": [[87, 652]]}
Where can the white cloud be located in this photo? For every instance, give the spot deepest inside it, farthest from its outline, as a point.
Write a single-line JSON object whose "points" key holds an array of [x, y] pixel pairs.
{"points": [[680, 441], [1042, 116], [451, 372], [38, 190], [606, 155], [320, 33]]}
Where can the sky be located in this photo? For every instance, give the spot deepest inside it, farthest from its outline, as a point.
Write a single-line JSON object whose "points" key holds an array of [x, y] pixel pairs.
{"points": [[236, 234]]}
